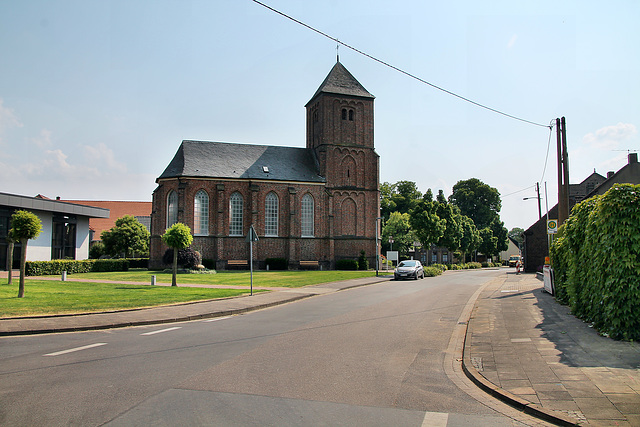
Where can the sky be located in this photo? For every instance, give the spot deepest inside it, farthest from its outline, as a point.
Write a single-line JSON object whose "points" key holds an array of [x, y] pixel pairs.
{"points": [[96, 96]]}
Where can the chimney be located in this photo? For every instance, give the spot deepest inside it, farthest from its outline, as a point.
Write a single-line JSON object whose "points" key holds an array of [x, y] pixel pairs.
{"points": [[610, 174], [633, 158], [57, 197]]}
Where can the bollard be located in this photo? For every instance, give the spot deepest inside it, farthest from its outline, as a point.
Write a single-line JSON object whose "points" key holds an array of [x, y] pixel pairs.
{"points": [[267, 267], [153, 280], [64, 276]]}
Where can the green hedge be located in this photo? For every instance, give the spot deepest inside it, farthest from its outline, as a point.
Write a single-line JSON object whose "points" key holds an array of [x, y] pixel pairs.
{"points": [[596, 261], [46, 268], [277, 263], [432, 271], [346, 264]]}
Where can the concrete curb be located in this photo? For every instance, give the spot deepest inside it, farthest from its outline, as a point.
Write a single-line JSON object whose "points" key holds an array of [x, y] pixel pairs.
{"points": [[510, 399]]}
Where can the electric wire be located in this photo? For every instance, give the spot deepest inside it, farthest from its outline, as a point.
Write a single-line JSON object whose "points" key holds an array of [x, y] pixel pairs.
{"points": [[396, 68], [544, 170], [518, 191]]}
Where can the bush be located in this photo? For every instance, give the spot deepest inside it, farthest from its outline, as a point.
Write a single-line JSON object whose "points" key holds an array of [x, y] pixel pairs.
{"points": [[472, 265], [277, 263], [346, 264], [138, 262], [432, 271], [596, 261], [48, 268], [187, 258], [96, 250], [363, 262], [441, 267]]}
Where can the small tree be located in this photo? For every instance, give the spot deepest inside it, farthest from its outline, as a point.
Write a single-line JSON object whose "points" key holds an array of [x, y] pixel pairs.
{"points": [[10, 244], [128, 236], [178, 236], [24, 226]]}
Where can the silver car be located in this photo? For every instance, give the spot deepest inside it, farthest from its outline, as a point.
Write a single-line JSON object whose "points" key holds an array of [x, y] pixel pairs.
{"points": [[409, 269]]}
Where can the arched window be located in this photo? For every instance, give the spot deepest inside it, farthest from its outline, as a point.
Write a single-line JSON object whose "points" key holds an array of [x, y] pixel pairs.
{"points": [[351, 115], [235, 214], [172, 208], [344, 114], [201, 213], [271, 215], [307, 215]]}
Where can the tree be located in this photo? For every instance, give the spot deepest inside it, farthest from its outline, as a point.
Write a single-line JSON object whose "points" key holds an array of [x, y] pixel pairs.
{"points": [[399, 197], [470, 239], [476, 200], [398, 227], [127, 236], [178, 236], [24, 226], [500, 233], [450, 214], [488, 243], [10, 245], [425, 221], [516, 234]]}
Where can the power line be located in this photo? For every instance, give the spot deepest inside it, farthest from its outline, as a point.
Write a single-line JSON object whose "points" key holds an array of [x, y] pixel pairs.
{"points": [[547, 156], [396, 68], [519, 191]]}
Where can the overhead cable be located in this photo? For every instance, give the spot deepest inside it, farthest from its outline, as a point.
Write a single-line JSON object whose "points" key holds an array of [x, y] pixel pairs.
{"points": [[396, 68]]}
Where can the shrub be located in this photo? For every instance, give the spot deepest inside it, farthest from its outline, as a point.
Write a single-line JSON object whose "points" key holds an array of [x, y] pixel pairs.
{"points": [[363, 262], [138, 262], [441, 267], [209, 264], [96, 250], [277, 263], [472, 265], [47, 268], [346, 264], [187, 258], [432, 271]]}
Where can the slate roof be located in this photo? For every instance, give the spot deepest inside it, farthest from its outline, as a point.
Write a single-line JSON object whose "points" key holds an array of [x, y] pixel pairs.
{"points": [[341, 82], [227, 160]]}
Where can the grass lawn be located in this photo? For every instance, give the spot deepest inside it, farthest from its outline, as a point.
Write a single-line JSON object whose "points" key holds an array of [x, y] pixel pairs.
{"points": [[53, 297], [285, 279]]}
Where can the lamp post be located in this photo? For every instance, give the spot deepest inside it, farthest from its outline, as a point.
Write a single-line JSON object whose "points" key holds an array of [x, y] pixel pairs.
{"points": [[536, 197], [377, 246]]}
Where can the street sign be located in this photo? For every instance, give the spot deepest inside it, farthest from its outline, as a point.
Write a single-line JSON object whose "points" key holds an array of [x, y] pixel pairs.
{"points": [[552, 226], [252, 236]]}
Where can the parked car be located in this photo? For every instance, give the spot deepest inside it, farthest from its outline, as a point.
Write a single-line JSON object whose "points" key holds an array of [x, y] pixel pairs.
{"points": [[409, 269], [513, 260]]}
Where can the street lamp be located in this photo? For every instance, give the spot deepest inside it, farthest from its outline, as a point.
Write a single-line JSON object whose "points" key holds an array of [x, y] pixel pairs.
{"points": [[537, 197], [377, 246]]}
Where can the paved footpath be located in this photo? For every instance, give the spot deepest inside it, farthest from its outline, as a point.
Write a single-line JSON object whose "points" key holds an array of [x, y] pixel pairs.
{"points": [[530, 351], [521, 347]]}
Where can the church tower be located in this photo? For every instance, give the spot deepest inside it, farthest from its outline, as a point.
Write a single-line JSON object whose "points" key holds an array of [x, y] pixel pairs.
{"points": [[340, 132]]}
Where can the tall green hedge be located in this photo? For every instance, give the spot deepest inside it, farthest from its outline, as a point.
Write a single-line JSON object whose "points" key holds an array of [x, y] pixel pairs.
{"points": [[45, 268], [596, 260]]}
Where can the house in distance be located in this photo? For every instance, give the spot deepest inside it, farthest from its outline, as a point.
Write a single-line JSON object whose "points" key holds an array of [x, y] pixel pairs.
{"points": [[311, 206]]}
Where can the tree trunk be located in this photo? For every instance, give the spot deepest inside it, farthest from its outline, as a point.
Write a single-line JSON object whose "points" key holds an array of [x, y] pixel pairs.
{"points": [[10, 262], [23, 263], [175, 267]]}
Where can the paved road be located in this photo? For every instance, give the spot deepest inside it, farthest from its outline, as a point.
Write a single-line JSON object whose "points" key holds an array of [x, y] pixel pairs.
{"points": [[375, 355]]}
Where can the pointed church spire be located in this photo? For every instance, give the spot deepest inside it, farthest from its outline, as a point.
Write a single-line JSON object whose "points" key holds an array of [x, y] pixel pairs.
{"points": [[341, 82]]}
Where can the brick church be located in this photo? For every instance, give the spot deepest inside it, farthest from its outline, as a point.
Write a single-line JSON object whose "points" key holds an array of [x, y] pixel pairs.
{"points": [[311, 206]]}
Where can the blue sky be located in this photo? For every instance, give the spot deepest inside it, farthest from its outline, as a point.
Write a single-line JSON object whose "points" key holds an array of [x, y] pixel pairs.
{"points": [[96, 96]]}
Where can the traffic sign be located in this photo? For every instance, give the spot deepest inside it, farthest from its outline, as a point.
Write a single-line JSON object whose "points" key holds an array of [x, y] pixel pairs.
{"points": [[252, 236], [552, 226]]}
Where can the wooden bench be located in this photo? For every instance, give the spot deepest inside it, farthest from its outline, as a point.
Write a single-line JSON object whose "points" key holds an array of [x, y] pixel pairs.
{"points": [[309, 264], [237, 263]]}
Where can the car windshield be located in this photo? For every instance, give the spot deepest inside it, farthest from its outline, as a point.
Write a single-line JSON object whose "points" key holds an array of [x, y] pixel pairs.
{"points": [[407, 264]]}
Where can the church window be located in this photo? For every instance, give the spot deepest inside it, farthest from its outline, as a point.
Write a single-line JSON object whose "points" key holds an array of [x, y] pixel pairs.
{"points": [[235, 212], [201, 213], [344, 114], [172, 208], [307, 216], [351, 115], [271, 215]]}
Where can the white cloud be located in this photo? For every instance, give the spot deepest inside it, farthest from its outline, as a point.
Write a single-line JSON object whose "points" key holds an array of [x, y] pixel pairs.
{"points": [[43, 140], [7, 119], [609, 137], [101, 155]]}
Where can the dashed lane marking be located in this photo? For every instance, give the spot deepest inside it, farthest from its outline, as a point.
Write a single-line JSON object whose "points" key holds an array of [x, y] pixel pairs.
{"points": [[435, 419], [161, 331], [218, 318], [71, 350]]}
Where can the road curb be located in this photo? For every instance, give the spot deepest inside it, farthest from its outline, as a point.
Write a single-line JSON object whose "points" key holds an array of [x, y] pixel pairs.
{"points": [[510, 399]]}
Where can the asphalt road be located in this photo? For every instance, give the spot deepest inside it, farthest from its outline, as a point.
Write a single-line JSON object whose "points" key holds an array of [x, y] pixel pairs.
{"points": [[368, 356]]}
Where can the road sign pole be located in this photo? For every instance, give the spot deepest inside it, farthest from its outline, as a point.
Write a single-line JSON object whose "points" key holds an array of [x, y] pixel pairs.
{"points": [[251, 263]]}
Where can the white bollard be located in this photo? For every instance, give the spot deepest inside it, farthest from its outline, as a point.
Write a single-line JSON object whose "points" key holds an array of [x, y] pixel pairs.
{"points": [[64, 276], [153, 280]]}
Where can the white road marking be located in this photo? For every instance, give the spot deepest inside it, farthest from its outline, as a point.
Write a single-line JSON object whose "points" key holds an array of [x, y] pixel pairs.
{"points": [[435, 419], [71, 350], [161, 331], [218, 318]]}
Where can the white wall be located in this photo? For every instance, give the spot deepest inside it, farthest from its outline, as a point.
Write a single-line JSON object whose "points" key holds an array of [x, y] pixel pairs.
{"points": [[39, 249], [82, 238]]}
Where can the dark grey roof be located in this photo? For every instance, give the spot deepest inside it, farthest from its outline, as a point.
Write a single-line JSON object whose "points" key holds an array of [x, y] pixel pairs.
{"points": [[340, 81], [47, 205], [227, 160]]}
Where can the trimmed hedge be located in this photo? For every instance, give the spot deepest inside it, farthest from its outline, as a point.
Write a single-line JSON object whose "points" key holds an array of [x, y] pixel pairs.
{"points": [[432, 271], [346, 264], [596, 261], [46, 268], [277, 263]]}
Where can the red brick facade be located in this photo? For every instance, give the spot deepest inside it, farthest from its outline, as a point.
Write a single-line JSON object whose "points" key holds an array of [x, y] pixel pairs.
{"points": [[345, 202]]}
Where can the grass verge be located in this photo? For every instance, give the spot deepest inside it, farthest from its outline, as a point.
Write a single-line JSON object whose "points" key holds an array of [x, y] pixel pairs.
{"points": [[44, 297]]}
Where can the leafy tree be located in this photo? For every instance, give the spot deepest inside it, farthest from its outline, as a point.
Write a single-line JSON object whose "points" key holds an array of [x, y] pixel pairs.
{"points": [[178, 236], [488, 243], [500, 233], [96, 250], [516, 234], [425, 221], [470, 238], [477, 200], [24, 226], [10, 245], [399, 228], [399, 197], [387, 205], [450, 238], [127, 236]]}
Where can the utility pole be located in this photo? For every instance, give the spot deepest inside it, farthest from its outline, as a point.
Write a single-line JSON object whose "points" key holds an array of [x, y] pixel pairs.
{"points": [[563, 171], [539, 208]]}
